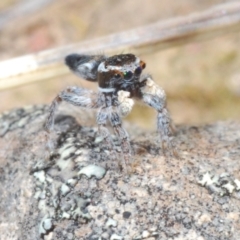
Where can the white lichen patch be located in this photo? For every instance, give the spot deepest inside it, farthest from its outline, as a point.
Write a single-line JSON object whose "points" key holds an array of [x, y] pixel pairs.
{"points": [[77, 210], [237, 183], [23, 121], [111, 223], [61, 191], [66, 215], [66, 151], [63, 163], [98, 139], [37, 194], [222, 184], [206, 179], [116, 237], [229, 187], [65, 189], [83, 157], [146, 234], [45, 225], [78, 152], [72, 182], [93, 171], [40, 176]]}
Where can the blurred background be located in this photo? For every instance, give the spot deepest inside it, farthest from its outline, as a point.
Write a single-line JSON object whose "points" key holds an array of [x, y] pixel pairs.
{"points": [[201, 79]]}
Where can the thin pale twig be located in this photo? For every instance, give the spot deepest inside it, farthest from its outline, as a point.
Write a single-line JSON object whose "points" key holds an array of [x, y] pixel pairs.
{"points": [[211, 23]]}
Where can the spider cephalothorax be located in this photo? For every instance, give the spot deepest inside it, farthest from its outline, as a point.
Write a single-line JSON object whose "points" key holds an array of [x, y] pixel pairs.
{"points": [[120, 80], [120, 72]]}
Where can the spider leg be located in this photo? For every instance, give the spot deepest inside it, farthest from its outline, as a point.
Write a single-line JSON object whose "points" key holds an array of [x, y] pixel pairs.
{"points": [[115, 107], [74, 95], [122, 134], [102, 118], [154, 96]]}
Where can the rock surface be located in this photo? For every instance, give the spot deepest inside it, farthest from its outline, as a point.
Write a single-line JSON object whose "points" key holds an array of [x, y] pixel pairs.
{"points": [[80, 194]]}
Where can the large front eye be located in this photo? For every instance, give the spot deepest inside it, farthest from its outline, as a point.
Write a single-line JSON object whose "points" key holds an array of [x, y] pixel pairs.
{"points": [[138, 71], [117, 75], [128, 75], [143, 64]]}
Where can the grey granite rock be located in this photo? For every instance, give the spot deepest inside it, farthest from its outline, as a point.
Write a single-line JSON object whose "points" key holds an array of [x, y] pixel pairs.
{"points": [[78, 193]]}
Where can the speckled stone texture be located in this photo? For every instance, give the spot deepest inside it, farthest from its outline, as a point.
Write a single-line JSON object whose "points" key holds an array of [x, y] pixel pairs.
{"points": [[78, 193]]}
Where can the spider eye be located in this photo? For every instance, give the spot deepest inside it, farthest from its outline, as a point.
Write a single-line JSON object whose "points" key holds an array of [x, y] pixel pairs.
{"points": [[138, 71], [143, 64], [117, 75], [128, 75]]}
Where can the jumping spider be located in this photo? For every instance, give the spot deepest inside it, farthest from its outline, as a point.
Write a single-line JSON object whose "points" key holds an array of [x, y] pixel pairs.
{"points": [[120, 80]]}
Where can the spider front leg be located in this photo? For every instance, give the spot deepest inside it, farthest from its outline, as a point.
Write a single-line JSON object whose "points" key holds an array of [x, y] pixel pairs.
{"points": [[102, 118], [74, 95], [123, 136], [155, 97]]}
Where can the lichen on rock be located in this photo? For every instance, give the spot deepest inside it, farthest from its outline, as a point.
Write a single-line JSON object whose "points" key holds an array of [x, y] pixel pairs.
{"points": [[78, 193]]}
